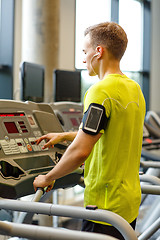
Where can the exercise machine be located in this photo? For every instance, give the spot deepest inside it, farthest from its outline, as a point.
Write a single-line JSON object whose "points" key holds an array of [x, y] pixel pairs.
{"points": [[69, 114], [21, 159]]}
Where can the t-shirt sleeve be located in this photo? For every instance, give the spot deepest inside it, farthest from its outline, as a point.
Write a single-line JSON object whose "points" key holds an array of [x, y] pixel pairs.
{"points": [[96, 95]]}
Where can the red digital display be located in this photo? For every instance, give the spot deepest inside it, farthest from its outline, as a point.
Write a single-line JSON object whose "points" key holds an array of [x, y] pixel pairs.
{"points": [[18, 114], [74, 121], [11, 127]]}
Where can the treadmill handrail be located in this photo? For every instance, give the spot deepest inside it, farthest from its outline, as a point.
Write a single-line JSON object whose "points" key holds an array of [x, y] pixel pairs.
{"points": [[150, 164], [45, 233], [150, 189], [150, 156], [150, 230], [70, 211], [150, 179]]}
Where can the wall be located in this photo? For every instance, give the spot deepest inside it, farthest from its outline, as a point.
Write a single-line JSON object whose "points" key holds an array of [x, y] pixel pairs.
{"points": [[66, 40]]}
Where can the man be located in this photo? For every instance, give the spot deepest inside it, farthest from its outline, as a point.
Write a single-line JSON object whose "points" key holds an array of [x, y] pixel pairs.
{"points": [[110, 137]]}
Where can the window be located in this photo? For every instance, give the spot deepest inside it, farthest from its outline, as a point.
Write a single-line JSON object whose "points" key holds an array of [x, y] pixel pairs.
{"points": [[134, 17], [130, 18], [88, 12]]}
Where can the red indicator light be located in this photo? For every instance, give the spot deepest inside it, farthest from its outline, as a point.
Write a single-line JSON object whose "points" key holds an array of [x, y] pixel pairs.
{"points": [[148, 140], [21, 114]]}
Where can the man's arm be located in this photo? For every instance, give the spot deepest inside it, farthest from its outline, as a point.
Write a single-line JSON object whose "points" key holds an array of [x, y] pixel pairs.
{"points": [[75, 155]]}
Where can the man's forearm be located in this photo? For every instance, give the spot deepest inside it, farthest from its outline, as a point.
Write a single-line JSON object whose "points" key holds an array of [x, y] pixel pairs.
{"points": [[70, 161], [69, 136], [74, 156]]}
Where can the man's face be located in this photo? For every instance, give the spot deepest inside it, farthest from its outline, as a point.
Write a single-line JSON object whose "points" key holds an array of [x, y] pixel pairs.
{"points": [[89, 53]]}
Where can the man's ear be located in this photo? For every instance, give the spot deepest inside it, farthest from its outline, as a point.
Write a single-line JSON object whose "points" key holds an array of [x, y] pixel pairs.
{"points": [[99, 50]]}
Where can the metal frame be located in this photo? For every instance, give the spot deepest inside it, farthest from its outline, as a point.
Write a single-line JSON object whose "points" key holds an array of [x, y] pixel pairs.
{"points": [[146, 50], [115, 10], [69, 211], [151, 220]]}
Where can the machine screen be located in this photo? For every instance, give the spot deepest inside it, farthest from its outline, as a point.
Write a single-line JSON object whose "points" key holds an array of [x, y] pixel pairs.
{"points": [[34, 162], [11, 127]]}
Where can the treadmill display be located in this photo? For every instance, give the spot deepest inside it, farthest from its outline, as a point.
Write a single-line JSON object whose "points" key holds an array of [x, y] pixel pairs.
{"points": [[11, 127]]}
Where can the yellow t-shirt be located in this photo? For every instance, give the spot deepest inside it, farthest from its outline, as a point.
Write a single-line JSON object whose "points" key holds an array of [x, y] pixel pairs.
{"points": [[112, 169]]}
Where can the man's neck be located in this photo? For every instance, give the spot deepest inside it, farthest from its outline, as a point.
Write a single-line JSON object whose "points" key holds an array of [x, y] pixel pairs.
{"points": [[113, 70], [108, 65]]}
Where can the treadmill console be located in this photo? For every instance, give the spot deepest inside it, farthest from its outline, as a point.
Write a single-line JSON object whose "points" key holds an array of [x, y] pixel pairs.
{"points": [[21, 159], [69, 114]]}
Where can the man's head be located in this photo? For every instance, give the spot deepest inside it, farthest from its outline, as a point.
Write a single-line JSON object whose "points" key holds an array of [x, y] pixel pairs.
{"points": [[109, 35]]}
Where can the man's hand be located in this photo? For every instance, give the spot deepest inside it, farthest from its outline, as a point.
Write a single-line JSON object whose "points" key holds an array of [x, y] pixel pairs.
{"points": [[42, 182], [77, 152], [54, 138]]}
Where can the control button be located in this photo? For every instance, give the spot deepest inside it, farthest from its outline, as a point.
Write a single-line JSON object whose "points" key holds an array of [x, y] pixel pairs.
{"points": [[14, 146], [32, 139], [23, 149], [29, 147], [6, 138], [26, 140], [36, 148], [37, 134], [21, 145], [10, 147], [41, 144]]}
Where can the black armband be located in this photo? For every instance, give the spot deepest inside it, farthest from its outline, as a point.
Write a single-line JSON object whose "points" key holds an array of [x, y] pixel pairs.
{"points": [[94, 119]]}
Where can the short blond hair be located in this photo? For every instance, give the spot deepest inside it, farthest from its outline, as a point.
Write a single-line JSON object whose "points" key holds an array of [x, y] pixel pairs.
{"points": [[110, 35]]}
